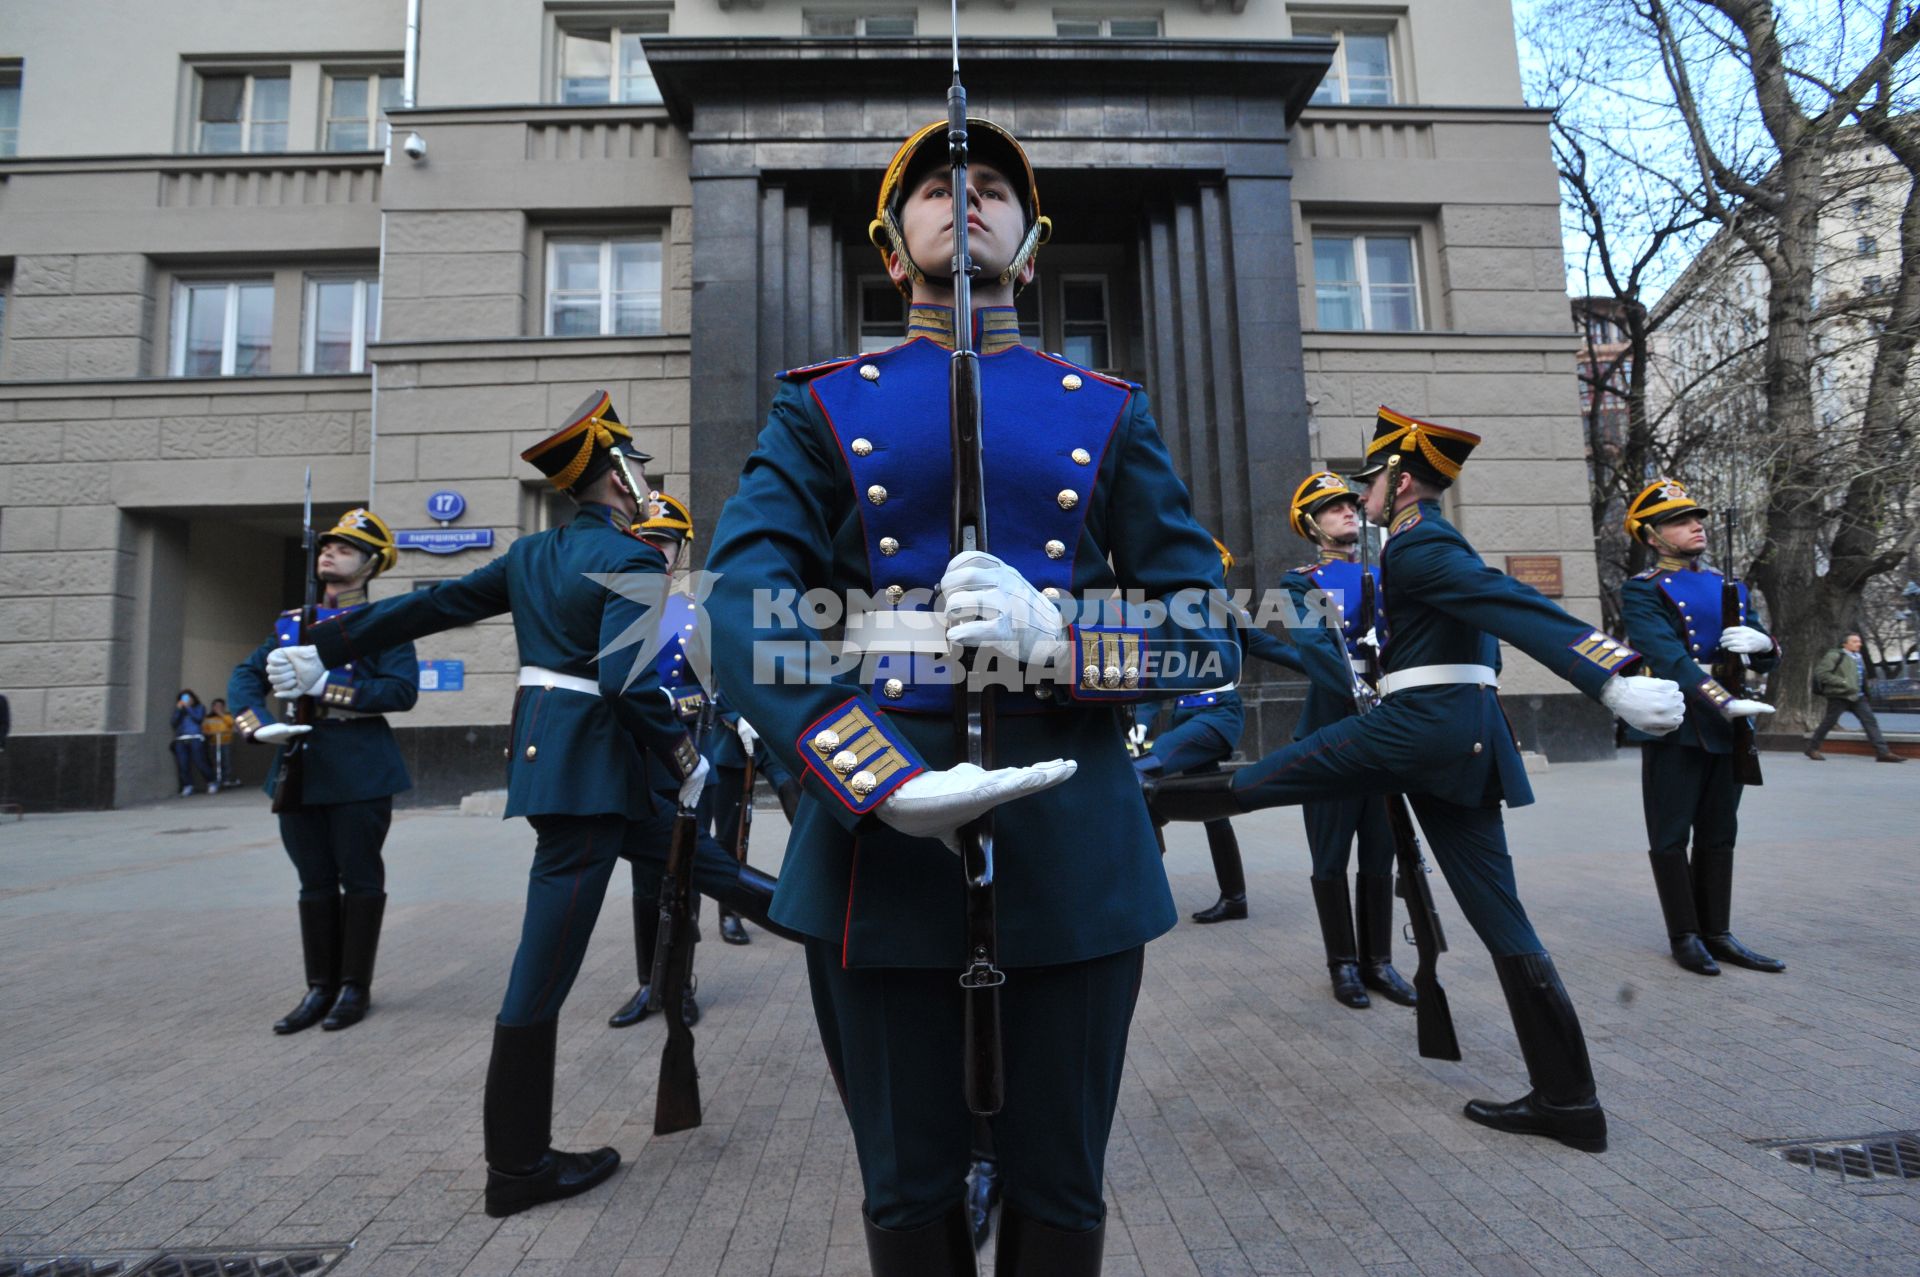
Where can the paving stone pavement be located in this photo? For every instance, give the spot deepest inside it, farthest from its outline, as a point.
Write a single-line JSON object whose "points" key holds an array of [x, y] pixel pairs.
{"points": [[1262, 1128]]}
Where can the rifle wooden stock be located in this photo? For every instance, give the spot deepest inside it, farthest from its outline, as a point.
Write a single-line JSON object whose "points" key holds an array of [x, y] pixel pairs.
{"points": [[1730, 671], [289, 778], [676, 1101], [744, 831]]}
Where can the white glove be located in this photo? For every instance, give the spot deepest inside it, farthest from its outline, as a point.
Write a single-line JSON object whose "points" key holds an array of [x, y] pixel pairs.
{"points": [[1744, 640], [990, 606], [279, 733], [1652, 705], [748, 737], [1740, 707], [1137, 735], [937, 804], [296, 672], [695, 782]]}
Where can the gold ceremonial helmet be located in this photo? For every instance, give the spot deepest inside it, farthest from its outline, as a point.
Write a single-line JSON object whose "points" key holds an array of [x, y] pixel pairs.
{"points": [[1316, 492], [987, 142], [365, 530], [1659, 501], [1226, 556], [666, 516]]}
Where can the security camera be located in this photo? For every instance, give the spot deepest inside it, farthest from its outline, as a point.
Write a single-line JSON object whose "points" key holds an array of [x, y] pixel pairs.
{"points": [[415, 146]]}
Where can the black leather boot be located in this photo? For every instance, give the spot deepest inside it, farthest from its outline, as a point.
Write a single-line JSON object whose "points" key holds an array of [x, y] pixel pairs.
{"points": [[983, 1194], [359, 943], [646, 926], [523, 1168], [1336, 929], [1713, 887], [732, 930], [1228, 871], [1673, 883], [1373, 918], [943, 1248], [1029, 1248], [1206, 797], [320, 950], [751, 899], [1562, 1104]]}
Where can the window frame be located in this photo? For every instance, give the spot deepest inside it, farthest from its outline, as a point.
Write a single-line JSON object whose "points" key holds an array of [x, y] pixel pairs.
{"points": [[183, 287], [1360, 232], [1106, 21], [615, 24], [606, 239], [366, 319], [860, 18], [1337, 29], [1067, 280], [246, 122], [379, 129], [13, 75]]}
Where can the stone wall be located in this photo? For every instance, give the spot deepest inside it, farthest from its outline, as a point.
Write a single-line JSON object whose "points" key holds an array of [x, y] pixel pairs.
{"points": [[79, 317]]}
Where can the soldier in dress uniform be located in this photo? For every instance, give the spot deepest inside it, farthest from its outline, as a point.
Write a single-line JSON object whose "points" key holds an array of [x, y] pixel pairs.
{"points": [[350, 772], [1201, 731], [1688, 784], [594, 746], [1440, 737], [849, 490], [1327, 512], [668, 528]]}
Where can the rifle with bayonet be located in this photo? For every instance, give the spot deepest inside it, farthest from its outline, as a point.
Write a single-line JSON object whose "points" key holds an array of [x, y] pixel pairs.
{"points": [[289, 777], [1433, 1018], [1730, 671], [676, 1101], [973, 705]]}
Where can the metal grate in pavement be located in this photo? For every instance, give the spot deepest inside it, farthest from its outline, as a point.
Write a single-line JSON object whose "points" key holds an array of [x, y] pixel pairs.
{"points": [[279, 1261], [1888, 1155]]}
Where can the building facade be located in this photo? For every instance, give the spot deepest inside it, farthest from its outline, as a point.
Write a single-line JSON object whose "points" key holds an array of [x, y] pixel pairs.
{"points": [[217, 272]]}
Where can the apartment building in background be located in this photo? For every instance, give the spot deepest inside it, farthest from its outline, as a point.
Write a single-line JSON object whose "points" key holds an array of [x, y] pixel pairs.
{"points": [[239, 241]]}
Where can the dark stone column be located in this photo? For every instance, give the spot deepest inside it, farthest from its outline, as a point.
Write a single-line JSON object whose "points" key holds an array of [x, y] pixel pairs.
{"points": [[728, 401]]}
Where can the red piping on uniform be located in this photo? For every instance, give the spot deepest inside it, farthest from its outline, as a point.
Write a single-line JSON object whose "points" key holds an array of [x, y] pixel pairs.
{"points": [[846, 930]]}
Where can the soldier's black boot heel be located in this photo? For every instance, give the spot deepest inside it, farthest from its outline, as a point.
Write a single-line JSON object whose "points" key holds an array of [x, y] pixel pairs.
{"points": [[646, 926], [732, 930], [1673, 883], [1226, 909], [1373, 916], [1228, 872], [1713, 880], [523, 1170], [1208, 796], [1563, 1104], [1028, 1248], [320, 951], [1335, 907], [359, 944], [943, 1248]]}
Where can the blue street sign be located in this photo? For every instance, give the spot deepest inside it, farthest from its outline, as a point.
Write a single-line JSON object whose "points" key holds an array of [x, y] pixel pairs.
{"points": [[444, 540], [446, 504], [443, 676]]}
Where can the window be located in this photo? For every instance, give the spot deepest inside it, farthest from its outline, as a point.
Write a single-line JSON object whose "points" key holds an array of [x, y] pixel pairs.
{"points": [[1365, 282], [602, 287], [222, 328], [10, 109], [883, 315], [341, 315], [861, 24], [242, 113], [1868, 245], [355, 105], [1083, 321], [607, 64], [1860, 207], [1362, 70], [1114, 28], [1873, 285], [1026, 308]]}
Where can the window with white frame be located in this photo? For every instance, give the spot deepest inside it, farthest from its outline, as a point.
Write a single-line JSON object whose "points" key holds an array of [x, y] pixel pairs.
{"points": [[222, 328], [605, 62], [1138, 27], [883, 315], [357, 103], [241, 112], [1365, 281], [1084, 329], [603, 287], [9, 108], [1362, 70], [862, 24], [341, 314]]}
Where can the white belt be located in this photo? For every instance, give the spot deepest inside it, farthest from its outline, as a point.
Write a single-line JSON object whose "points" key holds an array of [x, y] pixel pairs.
{"points": [[535, 676], [1436, 675]]}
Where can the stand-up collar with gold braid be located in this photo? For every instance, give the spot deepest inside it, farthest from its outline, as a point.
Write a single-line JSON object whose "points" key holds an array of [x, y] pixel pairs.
{"points": [[995, 328], [1427, 451]]}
